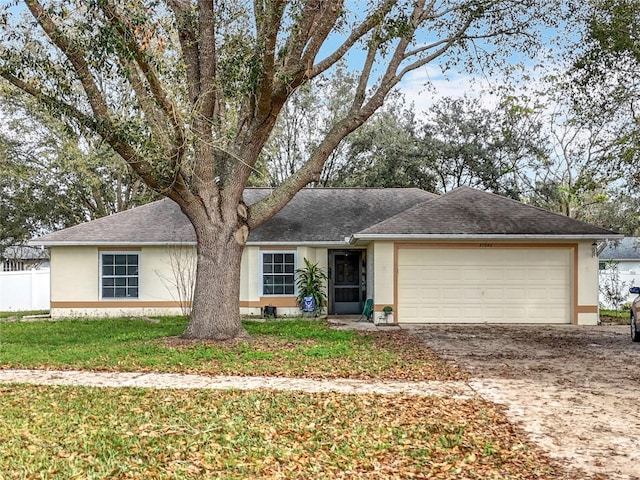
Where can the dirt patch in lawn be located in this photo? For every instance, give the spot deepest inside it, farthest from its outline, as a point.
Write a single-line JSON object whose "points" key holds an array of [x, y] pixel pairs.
{"points": [[575, 390]]}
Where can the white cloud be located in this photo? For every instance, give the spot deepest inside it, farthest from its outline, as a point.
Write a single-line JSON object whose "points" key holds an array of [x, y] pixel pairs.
{"points": [[426, 86]]}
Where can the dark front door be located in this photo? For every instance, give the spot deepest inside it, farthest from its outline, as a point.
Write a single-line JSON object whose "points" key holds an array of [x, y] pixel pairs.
{"points": [[346, 282]]}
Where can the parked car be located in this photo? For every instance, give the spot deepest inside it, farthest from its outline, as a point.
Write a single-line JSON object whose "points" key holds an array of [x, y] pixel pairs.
{"points": [[635, 313]]}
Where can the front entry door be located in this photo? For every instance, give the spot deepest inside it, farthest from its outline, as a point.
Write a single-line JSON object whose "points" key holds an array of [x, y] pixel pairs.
{"points": [[346, 283]]}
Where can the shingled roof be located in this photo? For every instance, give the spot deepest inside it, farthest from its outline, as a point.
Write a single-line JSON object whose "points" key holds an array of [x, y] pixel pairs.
{"points": [[315, 215], [627, 248], [466, 212]]}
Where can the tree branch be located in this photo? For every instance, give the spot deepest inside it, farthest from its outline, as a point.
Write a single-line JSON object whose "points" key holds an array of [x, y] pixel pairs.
{"points": [[356, 34], [75, 56], [189, 45]]}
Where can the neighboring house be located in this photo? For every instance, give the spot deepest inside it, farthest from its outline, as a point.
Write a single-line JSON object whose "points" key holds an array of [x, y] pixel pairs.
{"points": [[619, 269], [466, 257], [23, 257]]}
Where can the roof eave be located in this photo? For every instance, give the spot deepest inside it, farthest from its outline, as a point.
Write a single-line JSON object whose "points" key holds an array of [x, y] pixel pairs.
{"points": [[485, 236], [93, 243]]}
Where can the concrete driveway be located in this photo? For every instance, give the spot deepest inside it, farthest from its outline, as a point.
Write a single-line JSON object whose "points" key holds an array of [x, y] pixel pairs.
{"points": [[574, 389]]}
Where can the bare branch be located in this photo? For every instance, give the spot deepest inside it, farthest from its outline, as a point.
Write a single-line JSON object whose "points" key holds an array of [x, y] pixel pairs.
{"points": [[356, 34]]}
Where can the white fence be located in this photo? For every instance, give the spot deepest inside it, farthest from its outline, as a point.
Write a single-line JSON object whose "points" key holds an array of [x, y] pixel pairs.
{"points": [[26, 290]]}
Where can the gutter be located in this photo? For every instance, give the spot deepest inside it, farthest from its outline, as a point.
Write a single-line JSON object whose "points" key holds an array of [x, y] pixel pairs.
{"points": [[465, 236], [93, 243]]}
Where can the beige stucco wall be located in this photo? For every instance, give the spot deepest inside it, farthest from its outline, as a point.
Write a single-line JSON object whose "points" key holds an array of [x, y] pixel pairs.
{"points": [[587, 273], [249, 274], [74, 274], [383, 272], [75, 280]]}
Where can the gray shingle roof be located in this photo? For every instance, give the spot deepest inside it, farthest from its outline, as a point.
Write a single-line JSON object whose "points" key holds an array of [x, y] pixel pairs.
{"points": [[314, 215], [627, 248], [468, 212]]}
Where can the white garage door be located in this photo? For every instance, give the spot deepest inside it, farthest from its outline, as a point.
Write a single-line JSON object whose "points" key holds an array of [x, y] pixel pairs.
{"points": [[494, 285]]}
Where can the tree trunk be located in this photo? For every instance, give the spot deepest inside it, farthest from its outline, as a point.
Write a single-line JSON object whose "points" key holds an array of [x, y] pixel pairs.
{"points": [[216, 301]]}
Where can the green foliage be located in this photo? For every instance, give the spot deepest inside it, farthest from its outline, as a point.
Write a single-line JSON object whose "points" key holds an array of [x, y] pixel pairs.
{"points": [[52, 176], [311, 281], [607, 61]]}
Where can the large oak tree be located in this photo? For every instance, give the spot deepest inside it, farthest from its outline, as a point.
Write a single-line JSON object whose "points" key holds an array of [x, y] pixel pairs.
{"points": [[188, 92]]}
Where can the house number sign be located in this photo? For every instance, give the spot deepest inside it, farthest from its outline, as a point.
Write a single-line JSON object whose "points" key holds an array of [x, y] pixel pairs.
{"points": [[486, 245]]}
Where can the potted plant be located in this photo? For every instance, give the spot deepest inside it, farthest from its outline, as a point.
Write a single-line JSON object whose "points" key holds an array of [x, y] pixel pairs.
{"points": [[311, 281], [387, 316]]}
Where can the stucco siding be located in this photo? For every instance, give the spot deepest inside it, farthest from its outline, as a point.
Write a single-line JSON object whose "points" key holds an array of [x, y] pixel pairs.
{"points": [[587, 288], [74, 274], [383, 271]]}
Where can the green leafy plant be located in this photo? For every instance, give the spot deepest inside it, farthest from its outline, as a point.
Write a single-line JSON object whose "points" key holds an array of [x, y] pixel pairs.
{"points": [[387, 310], [311, 282]]}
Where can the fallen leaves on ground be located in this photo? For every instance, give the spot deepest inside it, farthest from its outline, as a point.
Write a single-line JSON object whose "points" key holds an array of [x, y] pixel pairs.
{"points": [[73, 432], [379, 355]]}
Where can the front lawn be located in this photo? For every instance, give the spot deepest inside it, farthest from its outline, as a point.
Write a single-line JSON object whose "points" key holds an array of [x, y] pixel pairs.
{"points": [[295, 348], [72, 432]]}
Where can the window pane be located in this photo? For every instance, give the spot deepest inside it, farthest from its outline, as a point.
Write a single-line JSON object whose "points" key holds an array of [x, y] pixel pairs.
{"points": [[278, 274], [120, 275]]}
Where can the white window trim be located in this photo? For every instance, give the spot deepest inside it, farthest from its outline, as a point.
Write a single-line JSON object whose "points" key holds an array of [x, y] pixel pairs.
{"points": [[100, 276], [261, 269]]}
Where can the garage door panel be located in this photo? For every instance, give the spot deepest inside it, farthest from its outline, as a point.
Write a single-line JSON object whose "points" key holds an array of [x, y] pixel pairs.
{"points": [[497, 285]]}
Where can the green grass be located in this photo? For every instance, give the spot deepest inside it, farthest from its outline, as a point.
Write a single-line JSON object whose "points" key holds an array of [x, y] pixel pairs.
{"points": [[299, 348], [620, 317], [72, 432]]}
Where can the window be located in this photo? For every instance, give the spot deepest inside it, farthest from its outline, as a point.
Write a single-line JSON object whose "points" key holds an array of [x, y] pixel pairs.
{"points": [[119, 278], [278, 273]]}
